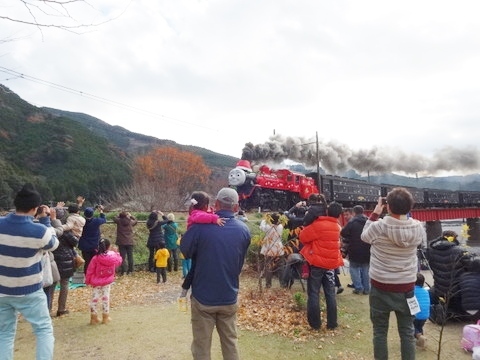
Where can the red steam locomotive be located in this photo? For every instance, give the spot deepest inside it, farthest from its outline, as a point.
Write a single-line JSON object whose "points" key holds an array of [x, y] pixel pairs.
{"points": [[268, 188]]}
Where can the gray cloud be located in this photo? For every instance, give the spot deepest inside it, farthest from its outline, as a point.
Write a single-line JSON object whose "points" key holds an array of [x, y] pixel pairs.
{"points": [[336, 158]]}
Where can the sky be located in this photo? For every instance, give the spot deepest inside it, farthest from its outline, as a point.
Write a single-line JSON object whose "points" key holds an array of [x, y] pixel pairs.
{"points": [[382, 85]]}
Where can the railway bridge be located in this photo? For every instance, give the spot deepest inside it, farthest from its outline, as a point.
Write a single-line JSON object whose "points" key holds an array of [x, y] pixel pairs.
{"points": [[433, 217]]}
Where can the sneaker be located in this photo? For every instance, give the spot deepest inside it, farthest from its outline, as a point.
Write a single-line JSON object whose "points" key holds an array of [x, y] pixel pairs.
{"points": [[421, 341], [366, 293], [183, 293], [340, 290], [61, 313], [350, 286], [356, 292]]}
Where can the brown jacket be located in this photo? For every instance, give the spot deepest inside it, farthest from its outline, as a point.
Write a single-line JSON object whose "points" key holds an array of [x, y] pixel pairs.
{"points": [[125, 229]]}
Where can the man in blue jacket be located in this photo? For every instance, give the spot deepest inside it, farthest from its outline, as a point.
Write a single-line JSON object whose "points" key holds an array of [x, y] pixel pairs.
{"points": [[358, 251], [88, 242], [219, 253], [21, 245]]}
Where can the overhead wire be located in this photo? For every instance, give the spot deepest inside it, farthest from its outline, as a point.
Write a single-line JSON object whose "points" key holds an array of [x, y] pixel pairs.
{"points": [[17, 75]]}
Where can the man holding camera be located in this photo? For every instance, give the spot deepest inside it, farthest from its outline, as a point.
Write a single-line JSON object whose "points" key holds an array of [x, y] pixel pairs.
{"points": [[90, 238], [23, 244], [393, 270]]}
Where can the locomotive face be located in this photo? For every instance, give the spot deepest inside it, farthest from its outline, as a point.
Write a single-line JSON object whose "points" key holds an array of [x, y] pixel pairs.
{"points": [[236, 177]]}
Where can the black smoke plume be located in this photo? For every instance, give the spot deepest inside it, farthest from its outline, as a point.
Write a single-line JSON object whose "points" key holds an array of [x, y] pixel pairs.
{"points": [[337, 158]]}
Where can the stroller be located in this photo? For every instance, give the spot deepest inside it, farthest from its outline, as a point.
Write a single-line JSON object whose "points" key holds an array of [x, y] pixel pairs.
{"points": [[459, 300], [293, 270], [294, 265]]}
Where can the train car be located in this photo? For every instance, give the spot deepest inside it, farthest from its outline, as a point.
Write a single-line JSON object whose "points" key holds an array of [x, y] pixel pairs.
{"points": [[417, 193], [350, 192], [441, 198], [269, 189], [469, 198]]}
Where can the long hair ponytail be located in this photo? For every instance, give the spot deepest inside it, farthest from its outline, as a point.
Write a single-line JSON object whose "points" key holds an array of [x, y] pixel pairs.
{"points": [[103, 246]]}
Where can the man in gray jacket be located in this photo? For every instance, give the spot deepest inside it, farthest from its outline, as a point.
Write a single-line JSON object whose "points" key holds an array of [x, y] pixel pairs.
{"points": [[393, 270]]}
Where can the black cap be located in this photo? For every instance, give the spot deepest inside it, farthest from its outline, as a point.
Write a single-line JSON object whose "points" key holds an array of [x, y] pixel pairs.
{"points": [[27, 198]]}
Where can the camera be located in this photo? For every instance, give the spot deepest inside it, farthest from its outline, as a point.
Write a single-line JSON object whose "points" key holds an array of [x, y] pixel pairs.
{"points": [[40, 210], [384, 201]]}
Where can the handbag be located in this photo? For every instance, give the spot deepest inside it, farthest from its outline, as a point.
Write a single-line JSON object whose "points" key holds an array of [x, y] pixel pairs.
{"points": [[55, 272], [47, 277], [470, 336], [78, 261]]}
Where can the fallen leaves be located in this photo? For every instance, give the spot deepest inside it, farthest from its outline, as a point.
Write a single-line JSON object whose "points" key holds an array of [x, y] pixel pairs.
{"points": [[270, 311]]}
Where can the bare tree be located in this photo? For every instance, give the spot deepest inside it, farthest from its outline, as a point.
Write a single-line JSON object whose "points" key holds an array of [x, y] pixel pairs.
{"points": [[163, 179], [61, 14]]}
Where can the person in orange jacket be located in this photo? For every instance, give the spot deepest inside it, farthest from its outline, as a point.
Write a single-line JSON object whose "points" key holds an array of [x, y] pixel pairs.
{"points": [[321, 249]]}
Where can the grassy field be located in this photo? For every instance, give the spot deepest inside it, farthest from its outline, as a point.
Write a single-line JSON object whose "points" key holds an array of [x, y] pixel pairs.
{"points": [[147, 324]]}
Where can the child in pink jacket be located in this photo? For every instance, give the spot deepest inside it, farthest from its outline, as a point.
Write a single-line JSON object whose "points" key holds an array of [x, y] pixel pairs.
{"points": [[198, 213], [100, 274]]}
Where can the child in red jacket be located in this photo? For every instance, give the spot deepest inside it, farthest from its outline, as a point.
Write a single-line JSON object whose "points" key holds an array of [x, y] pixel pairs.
{"points": [[100, 274]]}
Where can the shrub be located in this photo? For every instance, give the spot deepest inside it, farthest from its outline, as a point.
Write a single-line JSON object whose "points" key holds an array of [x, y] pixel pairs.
{"points": [[300, 301]]}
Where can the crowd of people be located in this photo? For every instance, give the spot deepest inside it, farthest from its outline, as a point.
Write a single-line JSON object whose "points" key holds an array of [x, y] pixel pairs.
{"points": [[42, 246], [381, 251], [382, 260]]}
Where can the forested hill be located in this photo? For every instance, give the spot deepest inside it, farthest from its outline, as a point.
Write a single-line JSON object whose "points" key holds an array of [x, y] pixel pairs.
{"points": [[134, 143], [65, 154]]}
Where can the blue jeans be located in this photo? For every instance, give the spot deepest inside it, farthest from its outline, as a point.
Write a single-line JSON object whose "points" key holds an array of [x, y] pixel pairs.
{"points": [[359, 275], [321, 278], [381, 304], [186, 266], [172, 260], [34, 309], [418, 325]]}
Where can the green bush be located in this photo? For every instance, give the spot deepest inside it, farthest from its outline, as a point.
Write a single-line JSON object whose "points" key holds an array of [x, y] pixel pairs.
{"points": [[300, 300]]}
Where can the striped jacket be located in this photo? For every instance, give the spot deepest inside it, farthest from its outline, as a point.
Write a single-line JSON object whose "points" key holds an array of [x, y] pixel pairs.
{"points": [[21, 242]]}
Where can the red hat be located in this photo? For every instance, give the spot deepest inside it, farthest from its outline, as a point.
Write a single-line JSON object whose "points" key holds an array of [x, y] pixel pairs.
{"points": [[244, 165]]}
